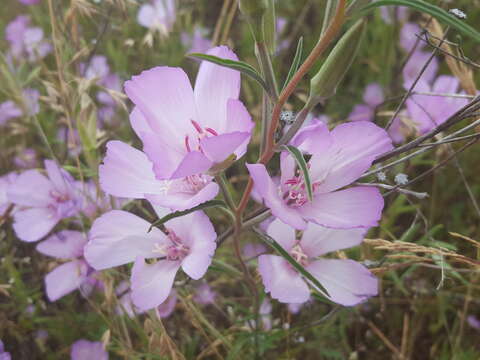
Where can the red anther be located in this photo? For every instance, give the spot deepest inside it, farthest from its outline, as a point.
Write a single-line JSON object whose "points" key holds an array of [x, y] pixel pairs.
{"points": [[197, 126], [211, 131]]}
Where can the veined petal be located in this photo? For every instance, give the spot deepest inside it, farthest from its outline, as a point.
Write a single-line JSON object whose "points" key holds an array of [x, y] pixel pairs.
{"points": [[30, 189], [34, 223], [65, 244], [65, 278], [282, 233], [193, 163], [238, 119], [218, 148]]}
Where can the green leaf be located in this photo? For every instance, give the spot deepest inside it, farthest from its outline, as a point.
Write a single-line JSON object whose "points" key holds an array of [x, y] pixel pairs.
{"points": [[296, 61], [241, 66], [432, 10], [302, 164], [283, 253], [173, 215]]}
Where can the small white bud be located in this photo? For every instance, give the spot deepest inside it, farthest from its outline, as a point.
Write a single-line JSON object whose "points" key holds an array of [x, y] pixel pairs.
{"points": [[401, 179], [287, 116], [381, 176]]}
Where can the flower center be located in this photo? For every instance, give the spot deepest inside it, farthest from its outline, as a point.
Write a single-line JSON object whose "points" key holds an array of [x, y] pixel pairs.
{"points": [[296, 194], [202, 133], [299, 255], [174, 251]]}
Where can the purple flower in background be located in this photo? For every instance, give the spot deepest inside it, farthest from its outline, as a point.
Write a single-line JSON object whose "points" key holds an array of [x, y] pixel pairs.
{"points": [[198, 42], [29, 2], [204, 294], [88, 350], [347, 282], [372, 97], [401, 128], [165, 309], [413, 67], [408, 37], [71, 139], [26, 41], [26, 159], [184, 134], [94, 202], [30, 99], [252, 250], [14, 34], [118, 238], [42, 202], [265, 313], [9, 110], [5, 182], [157, 15], [339, 158], [4, 355], [71, 275], [473, 322], [426, 111]]}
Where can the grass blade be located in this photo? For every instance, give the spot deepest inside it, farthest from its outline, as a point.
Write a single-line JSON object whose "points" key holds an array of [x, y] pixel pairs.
{"points": [[296, 62], [302, 164]]}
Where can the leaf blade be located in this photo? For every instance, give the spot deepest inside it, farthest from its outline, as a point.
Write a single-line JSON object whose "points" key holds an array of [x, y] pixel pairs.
{"points": [[302, 164], [296, 61]]}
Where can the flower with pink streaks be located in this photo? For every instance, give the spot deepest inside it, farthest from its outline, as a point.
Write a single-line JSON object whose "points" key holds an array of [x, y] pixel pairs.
{"points": [[347, 282], [184, 133], [42, 202], [118, 238], [339, 158], [157, 15], [88, 350], [71, 275], [372, 97]]}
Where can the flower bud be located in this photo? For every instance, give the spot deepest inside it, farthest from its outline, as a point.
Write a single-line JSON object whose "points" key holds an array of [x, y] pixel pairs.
{"points": [[324, 83]]}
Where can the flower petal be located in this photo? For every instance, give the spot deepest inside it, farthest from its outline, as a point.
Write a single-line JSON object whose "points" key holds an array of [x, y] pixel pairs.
{"points": [[347, 282], [65, 278], [282, 282], [345, 209], [88, 350], [282, 233], [193, 163], [30, 189], [218, 148], [65, 244], [238, 119], [151, 284], [118, 238], [33, 224]]}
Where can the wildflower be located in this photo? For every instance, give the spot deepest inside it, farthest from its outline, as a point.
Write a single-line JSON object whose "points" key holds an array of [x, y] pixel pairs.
{"points": [[196, 42], [413, 67], [5, 182], [29, 2], [9, 110], [94, 202], [72, 275], [204, 294], [88, 350], [339, 158], [184, 135], [4, 355], [157, 15], [473, 321], [118, 238], [42, 202], [372, 97], [347, 282], [26, 159]]}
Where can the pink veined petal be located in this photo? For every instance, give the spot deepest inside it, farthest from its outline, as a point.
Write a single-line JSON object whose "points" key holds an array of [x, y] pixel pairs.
{"points": [[318, 240], [65, 244], [238, 119], [57, 177], [193, 163], [151, 284], [30, 189], [347, 282], [282, 233], [349, 156], [313, 138], [166, 309], [127, 172], [361, 112], [181, 201], [214, 86], [373, 95], [65, 278], [33, 224], [356, 207], [139, 123], [118, 238], [265, 187], [218, 148], [282, 282], [88, 350], [197, 232]]}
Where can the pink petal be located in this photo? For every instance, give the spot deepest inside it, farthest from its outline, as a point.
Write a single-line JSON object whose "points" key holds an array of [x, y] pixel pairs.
{"points": [[33, 224], [30, 189], [166, 309], [127, 172], [313, 138], [146, 15], [88, 350], [218, 148], [193, 163], [65, 278], [282, 282], [282, 233], [347, 282], [265, 187], [65, 244], [373, 95], [361, 112], [318, 240], [118, 238], [214, 86], [151, 284], [345, 209], [349, 156], [238, 119], [139, 123], [57, 177]]}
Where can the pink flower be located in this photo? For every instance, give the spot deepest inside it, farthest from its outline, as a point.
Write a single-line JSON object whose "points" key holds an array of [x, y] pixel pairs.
{"points": [[347, 282], [204, 294], [414, 66], [42, 202], [9, 110], [118, 238], [339, 158], [71, 275], [184, 134], [25, 40], [157, 15], [196, 42], [29, 2], [372, 97], [5, 182], [88, 350]]}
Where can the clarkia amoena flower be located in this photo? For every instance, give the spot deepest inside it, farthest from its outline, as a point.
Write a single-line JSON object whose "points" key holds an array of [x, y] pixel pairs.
{"points": [[338, 158], [157, 15], [42, 202], [72, 275], [372, 97], [118, 238], [184, 133], [347, 282], [88, 350]]}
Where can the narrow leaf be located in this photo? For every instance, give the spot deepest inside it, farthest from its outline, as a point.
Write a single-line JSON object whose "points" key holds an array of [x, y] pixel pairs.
{"points": [[432, 10], [205, 205], [296, 61], [302, 164], [241, 66], [283, 253]]}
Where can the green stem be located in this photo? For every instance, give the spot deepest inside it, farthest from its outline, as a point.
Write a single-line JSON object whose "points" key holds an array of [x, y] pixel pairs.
{"points": [[223, 184]]}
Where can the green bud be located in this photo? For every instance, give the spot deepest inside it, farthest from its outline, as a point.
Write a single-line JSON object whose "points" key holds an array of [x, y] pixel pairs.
{"points": [[324, 83], [254, 11]]}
